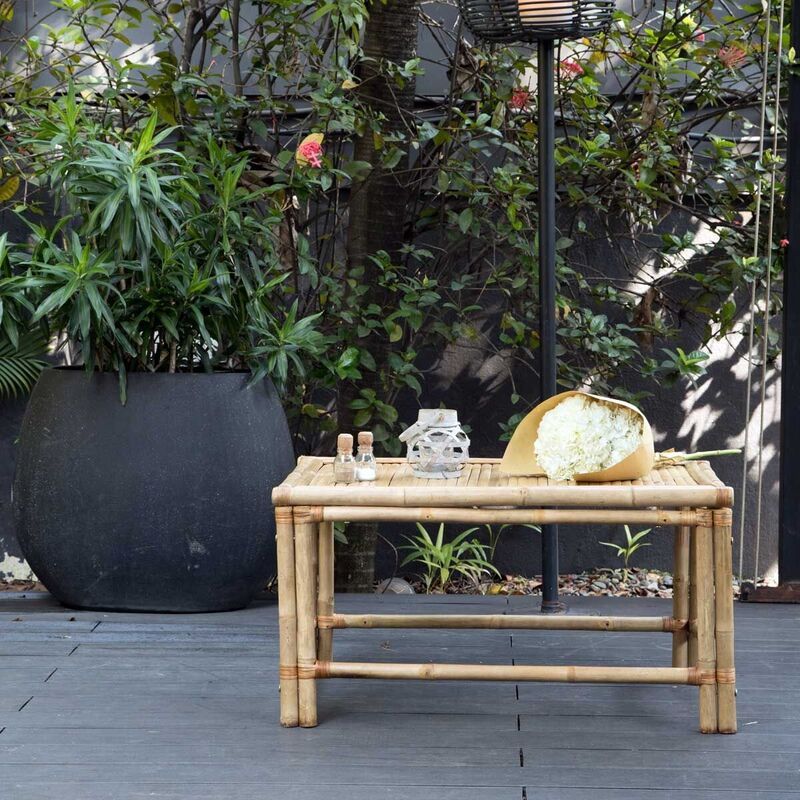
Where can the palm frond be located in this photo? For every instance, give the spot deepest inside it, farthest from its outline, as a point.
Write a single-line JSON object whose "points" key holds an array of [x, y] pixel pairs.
{"points": [[20, 366]]}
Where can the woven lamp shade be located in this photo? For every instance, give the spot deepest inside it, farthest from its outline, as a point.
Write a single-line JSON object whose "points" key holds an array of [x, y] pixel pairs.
{"points": [[532, 20]]}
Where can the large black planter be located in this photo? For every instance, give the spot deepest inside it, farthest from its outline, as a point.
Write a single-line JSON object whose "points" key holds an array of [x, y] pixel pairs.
{"points": [[159, 505]]}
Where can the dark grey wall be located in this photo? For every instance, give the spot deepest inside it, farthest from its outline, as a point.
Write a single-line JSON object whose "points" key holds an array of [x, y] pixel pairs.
{"points": [[708, 416], [10, 419]]}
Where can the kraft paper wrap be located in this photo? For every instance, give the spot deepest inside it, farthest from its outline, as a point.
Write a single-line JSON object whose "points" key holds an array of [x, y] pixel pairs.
{"points": [[520, 458]]}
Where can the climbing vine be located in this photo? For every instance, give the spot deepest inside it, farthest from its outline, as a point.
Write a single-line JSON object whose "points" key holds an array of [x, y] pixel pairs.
{"points": [[657, 169]]}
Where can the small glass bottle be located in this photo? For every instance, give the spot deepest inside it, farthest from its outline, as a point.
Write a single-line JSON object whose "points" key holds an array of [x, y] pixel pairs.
{"points": [[366, 466], [344, 465]]}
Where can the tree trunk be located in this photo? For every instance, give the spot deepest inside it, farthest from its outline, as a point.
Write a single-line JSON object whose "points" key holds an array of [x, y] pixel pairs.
{"points": [[378, 203], [377, 220]]}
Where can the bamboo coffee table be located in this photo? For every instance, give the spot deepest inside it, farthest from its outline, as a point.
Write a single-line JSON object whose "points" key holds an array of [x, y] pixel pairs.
{"points": [[689, 497]]}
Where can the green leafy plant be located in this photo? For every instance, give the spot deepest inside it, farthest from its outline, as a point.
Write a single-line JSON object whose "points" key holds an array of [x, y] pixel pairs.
{"points": [[164, 260], [493, 534], [170, 163], [445, 560], [21, 363], [22, 344], [633, 542]]}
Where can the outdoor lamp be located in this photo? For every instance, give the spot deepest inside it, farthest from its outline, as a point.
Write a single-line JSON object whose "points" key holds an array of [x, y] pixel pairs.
{"points": [[542, 21], [534, 20]]}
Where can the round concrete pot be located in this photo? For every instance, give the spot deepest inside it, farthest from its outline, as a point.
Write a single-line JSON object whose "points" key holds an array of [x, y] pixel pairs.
{"points": [[162, 504]]}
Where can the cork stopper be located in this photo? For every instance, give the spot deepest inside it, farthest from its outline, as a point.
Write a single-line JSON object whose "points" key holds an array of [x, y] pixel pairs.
{"points": [[344, 443], [365, 439]]}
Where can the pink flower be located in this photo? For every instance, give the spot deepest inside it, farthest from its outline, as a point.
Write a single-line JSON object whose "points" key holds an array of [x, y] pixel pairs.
{"points": [[699, 36], [731, 56], [519, 99], [784, 243], [309, 151], [570, 68]]}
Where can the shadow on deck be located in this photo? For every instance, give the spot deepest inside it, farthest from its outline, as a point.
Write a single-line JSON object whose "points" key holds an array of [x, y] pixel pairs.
{"points": [[97, 706]]}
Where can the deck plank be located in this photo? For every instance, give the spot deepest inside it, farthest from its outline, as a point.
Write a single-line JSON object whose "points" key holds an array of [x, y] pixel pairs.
{"points": [[129, 706]]}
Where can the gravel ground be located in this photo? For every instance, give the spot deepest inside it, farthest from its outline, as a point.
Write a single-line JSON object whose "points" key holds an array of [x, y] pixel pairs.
{"points": [[638, 582]]}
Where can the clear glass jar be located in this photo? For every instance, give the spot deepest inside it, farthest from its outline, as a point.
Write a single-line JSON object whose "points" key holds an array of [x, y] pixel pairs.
{"points": [[344, 465], [366, 465]]}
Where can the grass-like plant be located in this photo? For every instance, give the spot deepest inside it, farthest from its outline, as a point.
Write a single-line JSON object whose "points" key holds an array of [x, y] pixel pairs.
{"points": [[445, 560], [633, 542]]}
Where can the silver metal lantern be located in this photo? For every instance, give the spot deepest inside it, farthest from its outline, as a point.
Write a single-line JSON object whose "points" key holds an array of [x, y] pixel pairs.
{"points": [[437, 444]]}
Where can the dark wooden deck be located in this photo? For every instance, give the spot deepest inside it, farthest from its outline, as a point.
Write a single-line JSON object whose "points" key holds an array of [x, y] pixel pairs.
{"points": [[100, 706]]}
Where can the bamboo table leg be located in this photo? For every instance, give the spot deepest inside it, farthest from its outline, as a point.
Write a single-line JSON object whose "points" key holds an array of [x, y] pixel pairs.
{"points": [[691, 646], [703, 551], [287, 617], [680, 596], [305, 534], [325, 591], [723, 569]]}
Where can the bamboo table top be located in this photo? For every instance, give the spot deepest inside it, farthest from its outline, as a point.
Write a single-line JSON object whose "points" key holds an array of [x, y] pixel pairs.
{"points": [[692, 484]]}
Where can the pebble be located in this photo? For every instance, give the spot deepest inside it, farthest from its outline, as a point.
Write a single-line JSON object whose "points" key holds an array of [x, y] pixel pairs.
{"points": [[610, 582]]}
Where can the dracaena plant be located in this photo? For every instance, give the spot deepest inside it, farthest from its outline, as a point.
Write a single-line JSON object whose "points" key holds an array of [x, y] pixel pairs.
{"points": [[163, 258]]}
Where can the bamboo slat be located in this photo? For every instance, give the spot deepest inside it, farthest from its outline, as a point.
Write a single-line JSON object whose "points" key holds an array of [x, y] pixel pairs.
{"points": [[399, 474], [668, 475], [680, 596], [325, 589], [533, 516], [595, 495], [703, 545], [657, 478], [323, 477], [497, 672], [306, 579], [723, 567], [404, 476], [287, 617], [499, 622], [691, 650], [306, 468]]}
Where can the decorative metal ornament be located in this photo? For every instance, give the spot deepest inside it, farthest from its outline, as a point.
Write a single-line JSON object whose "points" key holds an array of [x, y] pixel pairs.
{"points": [[437, 445], [533, 20]]}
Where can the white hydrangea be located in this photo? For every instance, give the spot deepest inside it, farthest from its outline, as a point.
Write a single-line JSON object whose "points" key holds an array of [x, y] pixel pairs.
{"points": [[582, 435]]}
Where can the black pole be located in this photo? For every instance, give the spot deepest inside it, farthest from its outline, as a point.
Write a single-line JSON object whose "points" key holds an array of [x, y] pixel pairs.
{"points": [[547, 289]]}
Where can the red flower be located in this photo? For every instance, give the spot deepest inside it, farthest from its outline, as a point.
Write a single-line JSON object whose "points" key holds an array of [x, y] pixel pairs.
{"points": [[570, 68], [731, 56], [784, 243], [309, 151], [519, 99]]}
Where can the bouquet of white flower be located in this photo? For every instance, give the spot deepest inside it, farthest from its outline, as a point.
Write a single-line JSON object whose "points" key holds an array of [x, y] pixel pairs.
{"points": [[585, 437], [583, 434]]}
